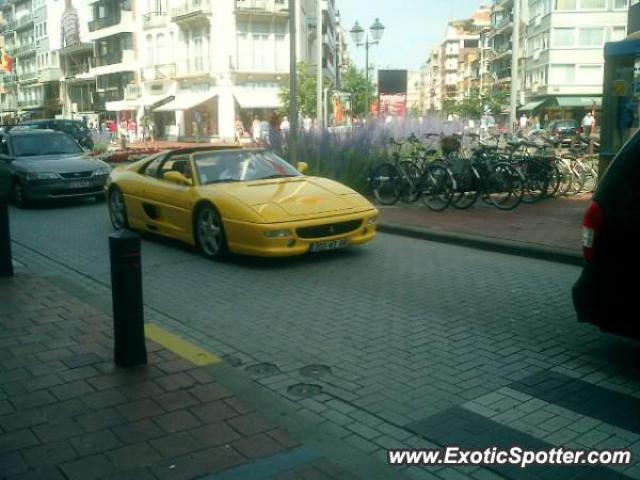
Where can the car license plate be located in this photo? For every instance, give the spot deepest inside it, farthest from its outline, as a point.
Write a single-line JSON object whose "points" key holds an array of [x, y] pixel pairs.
{"points": [[330, 245], [82, 184]]}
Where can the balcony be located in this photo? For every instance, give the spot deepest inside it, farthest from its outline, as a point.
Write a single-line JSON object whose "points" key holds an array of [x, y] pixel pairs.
{"points": [[25, 50], [159, 72], [122, 61], [10, 25], [50, 75], [111, 25], [76, 69], [27, 76], [155, 20], [24, 22], [262, 7], [192, 11], [30, 103], [131, 92]]}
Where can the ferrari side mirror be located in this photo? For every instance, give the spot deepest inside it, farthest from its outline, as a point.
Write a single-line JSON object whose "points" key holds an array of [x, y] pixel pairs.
{"points": [[302, 167]]}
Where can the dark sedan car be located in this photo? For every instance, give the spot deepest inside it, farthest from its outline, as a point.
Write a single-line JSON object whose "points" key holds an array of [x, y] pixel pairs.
{"points": [[43, 164], [607, 292], [563, 130], [75, 128]]}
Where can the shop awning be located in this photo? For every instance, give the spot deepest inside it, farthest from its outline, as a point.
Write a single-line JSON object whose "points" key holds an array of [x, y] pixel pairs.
{"points": [[527, 107], [121, 106], [151, 100], [187, 100], [257, 98], [579, 102]]}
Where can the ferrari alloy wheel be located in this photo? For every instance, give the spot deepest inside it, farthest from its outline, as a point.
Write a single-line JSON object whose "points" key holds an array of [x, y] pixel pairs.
{"points": [[117, 209], [210, 233]]}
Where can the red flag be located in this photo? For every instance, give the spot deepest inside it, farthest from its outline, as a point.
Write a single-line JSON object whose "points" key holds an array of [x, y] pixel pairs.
{"points": [[7, 61]]}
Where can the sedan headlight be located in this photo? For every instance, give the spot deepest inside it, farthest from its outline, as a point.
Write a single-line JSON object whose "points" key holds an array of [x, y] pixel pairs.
{"points": [[277, 233], [102, 171], [372, 220], [43, 176]]}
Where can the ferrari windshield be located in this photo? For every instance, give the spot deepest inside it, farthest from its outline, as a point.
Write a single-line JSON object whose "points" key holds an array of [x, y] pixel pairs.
{"points": [[32, 145], [241, 166]]}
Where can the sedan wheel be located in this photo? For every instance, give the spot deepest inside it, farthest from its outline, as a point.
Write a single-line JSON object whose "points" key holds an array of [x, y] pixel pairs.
{"points": [[117, 209], [210, 233], [19, 195]]}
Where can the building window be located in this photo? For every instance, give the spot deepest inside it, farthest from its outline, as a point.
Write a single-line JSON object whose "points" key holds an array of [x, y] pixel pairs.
{"points": [[565, 4], [593, 4], [591, 37], [621, 4], [150, 50], [618, 33], [590, 74], [563, 37], [563, 74]]}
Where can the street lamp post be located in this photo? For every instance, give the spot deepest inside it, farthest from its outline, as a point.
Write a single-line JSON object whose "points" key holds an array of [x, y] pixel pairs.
{"points": [[357, 34]]}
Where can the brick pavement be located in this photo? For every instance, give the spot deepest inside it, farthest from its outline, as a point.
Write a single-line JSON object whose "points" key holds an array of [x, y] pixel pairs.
{"points": [[553, 223], [66, 412]]}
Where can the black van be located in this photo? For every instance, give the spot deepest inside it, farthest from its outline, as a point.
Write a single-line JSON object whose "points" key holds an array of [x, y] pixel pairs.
{"points": [[606, 293], [74, 128]]}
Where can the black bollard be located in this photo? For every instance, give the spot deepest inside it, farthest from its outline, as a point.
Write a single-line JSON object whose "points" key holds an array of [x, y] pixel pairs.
{"points": [[6, 264], [126, 289]]}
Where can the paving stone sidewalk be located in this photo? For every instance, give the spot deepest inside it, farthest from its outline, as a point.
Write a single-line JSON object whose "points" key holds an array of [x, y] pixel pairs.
{"points": [[552, 223], [66, 412]]}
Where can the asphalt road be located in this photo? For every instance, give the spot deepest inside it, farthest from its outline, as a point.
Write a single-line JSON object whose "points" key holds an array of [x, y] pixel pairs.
{"points": [[408, 328]]}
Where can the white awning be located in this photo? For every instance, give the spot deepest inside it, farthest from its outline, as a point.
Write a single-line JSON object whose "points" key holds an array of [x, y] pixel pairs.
{"points": [[187, 100], [149, 100], [257, 97], [122, 105]]}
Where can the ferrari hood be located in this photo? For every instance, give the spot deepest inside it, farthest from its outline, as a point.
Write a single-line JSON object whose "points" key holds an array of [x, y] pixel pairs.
{"points": [[288, 199]]}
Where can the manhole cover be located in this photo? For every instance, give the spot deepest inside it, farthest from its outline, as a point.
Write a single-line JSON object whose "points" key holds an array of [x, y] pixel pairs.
{"points": [[262, 369], [233, 361], [304, 390], [315, 371]]}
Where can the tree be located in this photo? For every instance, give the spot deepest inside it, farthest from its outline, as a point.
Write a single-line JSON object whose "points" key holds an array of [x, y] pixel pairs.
{"points": [[471, 106], [306, 93], [450, 107], [495, 100], [355, 82]]}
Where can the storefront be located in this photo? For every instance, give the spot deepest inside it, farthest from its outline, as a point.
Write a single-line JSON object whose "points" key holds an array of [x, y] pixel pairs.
{"points": [[255, 102], [194, 114], [621, 103]]}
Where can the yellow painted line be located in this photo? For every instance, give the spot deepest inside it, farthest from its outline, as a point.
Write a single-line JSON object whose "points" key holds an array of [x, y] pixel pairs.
{"points": [[179, 346]]}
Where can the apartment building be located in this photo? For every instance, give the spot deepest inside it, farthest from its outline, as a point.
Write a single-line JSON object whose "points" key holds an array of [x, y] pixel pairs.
{"points": [[32, 89], [564, 54], [458, 51], [433, 91]]}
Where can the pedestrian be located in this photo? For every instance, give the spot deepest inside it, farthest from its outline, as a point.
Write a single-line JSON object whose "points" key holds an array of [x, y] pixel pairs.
{"points": [[307, 123], [285, 126], [113, 131], [255, 130], [536, 123], [523, 121], [587, 123], [274, 135], [196, 120], [239, 129]]}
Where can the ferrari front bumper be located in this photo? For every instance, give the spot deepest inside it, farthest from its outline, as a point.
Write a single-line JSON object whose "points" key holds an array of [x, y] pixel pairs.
{"points": [[250, 239]]}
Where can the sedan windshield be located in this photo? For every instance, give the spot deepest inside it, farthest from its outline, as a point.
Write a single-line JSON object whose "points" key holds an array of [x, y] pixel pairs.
{"points": [[45, 144], [241, 166]]}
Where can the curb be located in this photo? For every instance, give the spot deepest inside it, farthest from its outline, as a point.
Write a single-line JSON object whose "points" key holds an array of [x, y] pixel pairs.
{"points": [[489, 244]]}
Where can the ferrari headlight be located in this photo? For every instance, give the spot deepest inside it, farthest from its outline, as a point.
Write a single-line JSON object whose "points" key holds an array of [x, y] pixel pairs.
{"points": [[277, 233], [102, 171], [43, 176], [372, 220]]}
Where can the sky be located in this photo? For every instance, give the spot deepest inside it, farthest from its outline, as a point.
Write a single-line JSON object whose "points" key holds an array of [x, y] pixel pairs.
{"points": [[412, 27]]}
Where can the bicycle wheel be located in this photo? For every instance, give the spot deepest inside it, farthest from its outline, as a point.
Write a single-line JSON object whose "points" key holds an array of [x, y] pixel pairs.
{"points": [[410, 177], [467, 189], [536, 182], [384, 184], [589, 180], [436, 187], [506, 187], [565, 179]]}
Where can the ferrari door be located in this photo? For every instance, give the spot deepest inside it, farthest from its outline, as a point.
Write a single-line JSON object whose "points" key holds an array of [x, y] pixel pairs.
{"points": [[166, 204]]}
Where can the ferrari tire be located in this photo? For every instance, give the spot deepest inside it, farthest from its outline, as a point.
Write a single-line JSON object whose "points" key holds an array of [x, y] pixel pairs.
{"points": [[209, 233], [117, 209]]}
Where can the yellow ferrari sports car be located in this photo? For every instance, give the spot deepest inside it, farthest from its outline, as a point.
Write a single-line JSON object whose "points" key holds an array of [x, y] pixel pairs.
{"points": [[245, 201]]}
